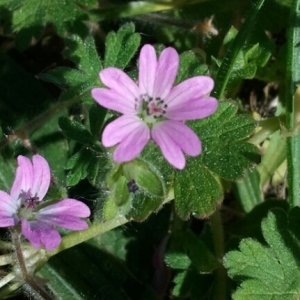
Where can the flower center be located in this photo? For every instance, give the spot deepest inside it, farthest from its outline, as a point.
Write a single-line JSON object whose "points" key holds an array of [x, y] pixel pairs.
{"points": [[151, 109], [28, 205]]}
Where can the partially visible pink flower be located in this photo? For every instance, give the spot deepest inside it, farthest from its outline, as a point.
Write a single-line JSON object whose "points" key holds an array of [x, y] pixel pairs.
{"points": [[154, 109], [21, 205]]}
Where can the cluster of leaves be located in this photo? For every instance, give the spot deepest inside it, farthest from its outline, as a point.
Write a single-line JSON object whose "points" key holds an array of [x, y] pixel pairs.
{"points": [[269, 271], [217, 133], [30, 17]]}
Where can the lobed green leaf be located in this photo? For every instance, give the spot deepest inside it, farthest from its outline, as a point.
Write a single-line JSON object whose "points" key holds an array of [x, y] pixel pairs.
{"points": [[121, 46], [269, 272]]}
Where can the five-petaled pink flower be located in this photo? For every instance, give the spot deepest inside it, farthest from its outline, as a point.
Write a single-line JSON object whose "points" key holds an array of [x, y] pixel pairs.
{"points": [[22, 205], [154, 109]]}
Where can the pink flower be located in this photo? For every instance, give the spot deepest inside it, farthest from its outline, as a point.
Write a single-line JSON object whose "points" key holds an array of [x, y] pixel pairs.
{"points": [[154, 109], [22, 205]]}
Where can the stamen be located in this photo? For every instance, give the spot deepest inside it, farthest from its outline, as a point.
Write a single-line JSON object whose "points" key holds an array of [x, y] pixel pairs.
{"points": [[31, 202]]}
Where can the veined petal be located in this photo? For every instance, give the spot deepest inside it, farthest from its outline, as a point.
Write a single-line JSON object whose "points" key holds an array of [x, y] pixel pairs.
{"points": [[147, 69], [184, 137], [8, 210], [120, 82], [67, 207], [24, 177], [68, 222], [192, 109], [39, 233], [113, 100], [119, 129], [16, 188], [41, 176], [170, 150], [166, 71], [192, 88], [133, 144]]}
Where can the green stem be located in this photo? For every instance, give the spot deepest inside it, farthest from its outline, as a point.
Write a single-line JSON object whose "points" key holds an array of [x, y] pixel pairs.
{"points": [[37, 122], [220, 285], [268, 127], [234, 49], [78, 237], [292, 77]]}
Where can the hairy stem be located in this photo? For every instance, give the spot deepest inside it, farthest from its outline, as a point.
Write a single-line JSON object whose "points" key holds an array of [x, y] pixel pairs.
{"points": [[81, 236], [28, 279]]}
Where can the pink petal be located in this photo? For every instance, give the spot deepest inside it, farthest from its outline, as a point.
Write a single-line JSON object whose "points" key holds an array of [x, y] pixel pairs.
{"points": [[133, 144], [169, 149], [67, 207], [166, 72], [8, 210], [41, 176], [39, 233], [16, 188], [193, 109], [174, 137], [119, 129], [68, 222], [112, 100], [147, 69], [120, 82], [191, 88], [24, 177]]}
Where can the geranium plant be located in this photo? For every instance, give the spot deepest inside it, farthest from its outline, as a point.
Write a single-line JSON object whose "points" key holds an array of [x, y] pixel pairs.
{"points": [[149, 149]]}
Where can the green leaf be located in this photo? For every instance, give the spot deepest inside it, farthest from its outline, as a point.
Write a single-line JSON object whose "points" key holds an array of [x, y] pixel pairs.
{"points": [[197, 189], [110, 209], [30, 16], [80, 81], [149, 196], [96, 169], [8, 168], [78, 165], [142, 205], [120, 192], [121, 46], [191, 283], [146, 177], [234, 51], [249, 225], [247, 190], [224, 152], [178, 260], [192, 257], [75, 130], [190, 65], [269, 272], [191, 252], [116, 241], [96, 118]]}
